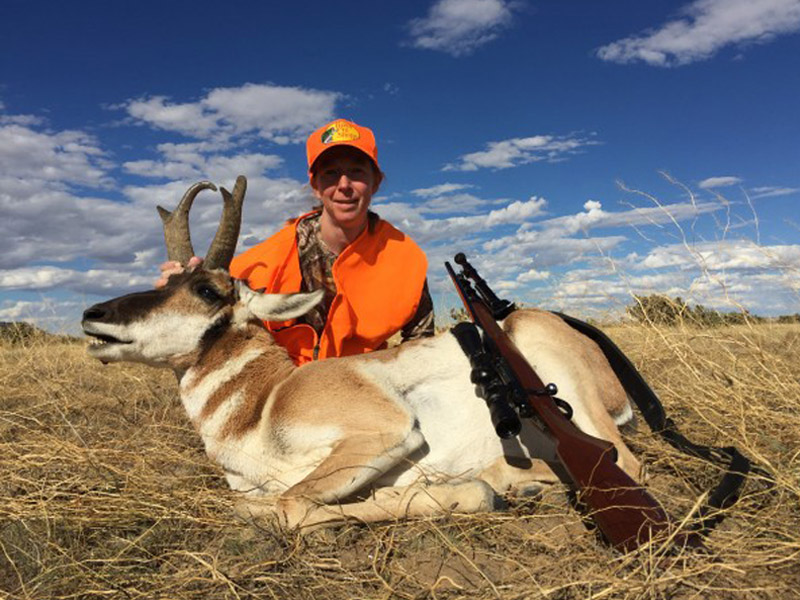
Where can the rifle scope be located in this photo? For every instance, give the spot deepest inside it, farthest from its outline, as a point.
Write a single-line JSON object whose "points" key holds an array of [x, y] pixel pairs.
{"points": [[488, 383]]}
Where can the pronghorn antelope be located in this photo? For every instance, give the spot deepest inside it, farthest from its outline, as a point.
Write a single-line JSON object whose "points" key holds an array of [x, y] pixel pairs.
{"points": [[385, 435]]}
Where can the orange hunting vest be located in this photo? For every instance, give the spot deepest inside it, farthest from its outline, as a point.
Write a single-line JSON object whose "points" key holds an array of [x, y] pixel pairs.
{"points": [[379, 279]]}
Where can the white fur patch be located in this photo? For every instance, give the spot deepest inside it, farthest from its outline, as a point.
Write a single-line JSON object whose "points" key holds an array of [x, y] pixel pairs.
{"points": [[210, 427], [194, 399], [153, 340], [168, 335], [625, 416]]}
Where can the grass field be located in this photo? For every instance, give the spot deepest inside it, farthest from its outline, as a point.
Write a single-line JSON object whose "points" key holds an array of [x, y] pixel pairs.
{"points": [[105, 492]]}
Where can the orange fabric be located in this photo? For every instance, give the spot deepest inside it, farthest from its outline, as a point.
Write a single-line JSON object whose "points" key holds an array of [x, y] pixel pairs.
{"points": [[379, 280], [341, 132]]}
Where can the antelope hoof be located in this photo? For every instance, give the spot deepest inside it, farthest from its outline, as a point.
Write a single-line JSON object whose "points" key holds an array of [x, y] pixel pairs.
{"points": [[255, 509], [474, 496]]}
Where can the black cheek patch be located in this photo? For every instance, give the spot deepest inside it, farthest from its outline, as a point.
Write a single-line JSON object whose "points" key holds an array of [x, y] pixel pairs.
{"points": [[215, 332]]}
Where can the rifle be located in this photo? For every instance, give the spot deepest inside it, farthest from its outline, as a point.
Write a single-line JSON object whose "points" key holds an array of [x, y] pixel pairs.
{"points": [[625, 513]]}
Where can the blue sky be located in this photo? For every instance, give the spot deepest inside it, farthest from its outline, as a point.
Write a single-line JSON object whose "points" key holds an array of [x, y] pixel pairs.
{"points": [[579, 152]]}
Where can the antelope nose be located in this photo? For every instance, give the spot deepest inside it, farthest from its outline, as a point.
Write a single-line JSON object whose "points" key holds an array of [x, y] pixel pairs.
{"points": [[94, 313]]}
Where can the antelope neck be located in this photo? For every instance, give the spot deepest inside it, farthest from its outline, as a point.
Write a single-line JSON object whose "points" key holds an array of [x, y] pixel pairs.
{"points": [[231, 382]]}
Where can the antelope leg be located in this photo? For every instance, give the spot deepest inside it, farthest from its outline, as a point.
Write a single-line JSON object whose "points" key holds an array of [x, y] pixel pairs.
{"points": [[385, 504]]}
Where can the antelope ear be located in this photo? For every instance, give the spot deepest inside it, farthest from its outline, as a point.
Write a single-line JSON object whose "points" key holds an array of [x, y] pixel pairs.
{"points": [[278, 307]]}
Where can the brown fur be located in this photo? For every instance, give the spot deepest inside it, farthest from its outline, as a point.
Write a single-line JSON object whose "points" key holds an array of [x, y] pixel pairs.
{"points": [[258, 379], [361, 401], [581, 348]]}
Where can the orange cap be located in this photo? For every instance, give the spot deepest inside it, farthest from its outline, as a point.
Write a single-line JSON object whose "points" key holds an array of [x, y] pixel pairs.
{"points": [[341, 132]]}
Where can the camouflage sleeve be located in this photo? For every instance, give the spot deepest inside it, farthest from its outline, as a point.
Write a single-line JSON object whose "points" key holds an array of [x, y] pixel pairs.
{"points": [[421, 324]]}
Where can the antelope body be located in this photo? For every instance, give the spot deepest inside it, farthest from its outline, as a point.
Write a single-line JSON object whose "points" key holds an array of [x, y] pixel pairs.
{"points": [[393, 433]]}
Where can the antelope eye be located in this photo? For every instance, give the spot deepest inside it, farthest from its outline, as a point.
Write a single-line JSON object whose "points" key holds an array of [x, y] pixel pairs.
{"points": [[208, 293]]}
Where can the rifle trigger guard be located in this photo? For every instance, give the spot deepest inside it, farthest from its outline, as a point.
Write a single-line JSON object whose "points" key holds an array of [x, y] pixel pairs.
{"points": [[564, 407]]}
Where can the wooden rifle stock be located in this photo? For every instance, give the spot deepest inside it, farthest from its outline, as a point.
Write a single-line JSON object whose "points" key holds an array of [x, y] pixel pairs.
{"points": [[625, 513]]}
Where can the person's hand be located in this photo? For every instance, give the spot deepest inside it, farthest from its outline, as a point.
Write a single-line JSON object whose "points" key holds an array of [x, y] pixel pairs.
{"points": [[173, 267]]}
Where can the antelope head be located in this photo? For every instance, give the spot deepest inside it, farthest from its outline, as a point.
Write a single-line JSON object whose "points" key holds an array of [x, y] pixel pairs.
{"points": [[166, 327]]}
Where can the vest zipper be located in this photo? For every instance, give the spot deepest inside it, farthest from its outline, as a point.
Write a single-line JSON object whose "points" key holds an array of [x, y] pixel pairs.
{"points": [[315, 355]]}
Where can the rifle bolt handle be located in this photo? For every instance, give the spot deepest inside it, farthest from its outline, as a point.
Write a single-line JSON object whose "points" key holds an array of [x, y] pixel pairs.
{"points": [[551, 389]]}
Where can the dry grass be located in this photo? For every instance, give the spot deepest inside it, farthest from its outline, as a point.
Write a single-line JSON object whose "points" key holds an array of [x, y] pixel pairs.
{"points": [[105, 492]]}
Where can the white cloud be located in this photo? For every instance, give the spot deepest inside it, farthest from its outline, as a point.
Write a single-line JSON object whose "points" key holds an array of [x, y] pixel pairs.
{"points": [[58, 239], [56, 227], [48, 222], [550, 249], [705, 27], [439, 190], [505, 285], [602, 288], [718, 274], [516, 212], [53, 226], [723, 274], [198, 166], [93, 281], [277, 113], [724, 256], [519, 151], [15, 311], [410, 218], [454, 203], [719, 284], [717, 182], [59, 316], [770, 191], [533, 275], [442, 198], [58, 158], [24, 120], [595, 216], [43, 220], [459, 27]]}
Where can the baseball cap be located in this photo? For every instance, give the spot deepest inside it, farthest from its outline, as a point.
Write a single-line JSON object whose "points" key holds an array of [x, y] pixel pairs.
{"points": [[341, 132]]}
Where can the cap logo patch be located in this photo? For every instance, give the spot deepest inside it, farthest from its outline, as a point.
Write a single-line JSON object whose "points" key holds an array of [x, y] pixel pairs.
{"points": [[339, 132]]}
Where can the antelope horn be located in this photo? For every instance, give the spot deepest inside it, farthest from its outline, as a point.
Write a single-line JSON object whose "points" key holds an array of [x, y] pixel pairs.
{"points": [[176, 224], [222, 248]]}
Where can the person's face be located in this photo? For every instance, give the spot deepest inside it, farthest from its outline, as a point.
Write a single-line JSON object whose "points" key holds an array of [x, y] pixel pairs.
{"points": [[344, 181]]}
